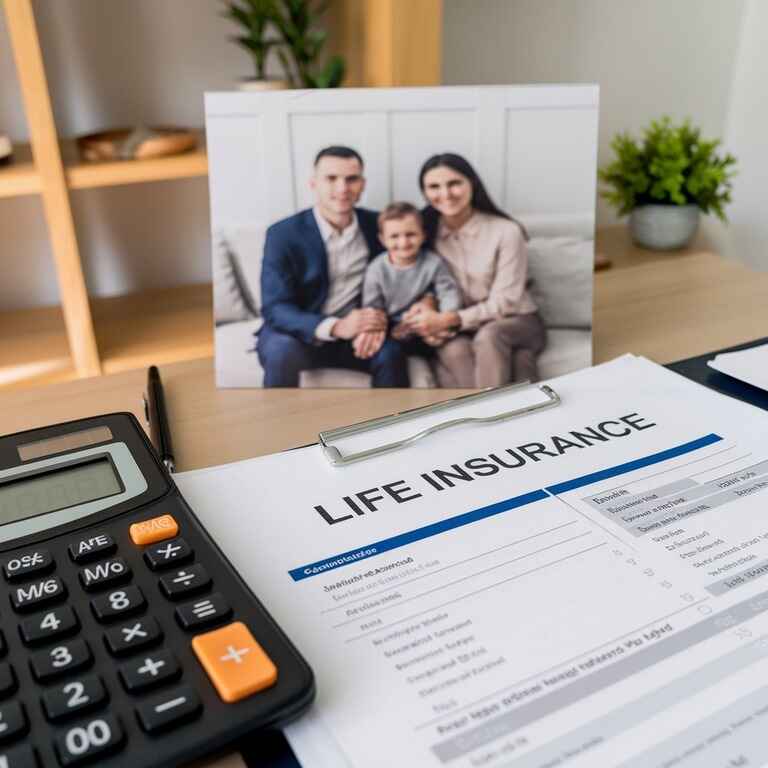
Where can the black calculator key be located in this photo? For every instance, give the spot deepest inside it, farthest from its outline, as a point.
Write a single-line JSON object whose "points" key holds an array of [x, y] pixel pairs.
{"points": [[92, 547], [118, 603], [166, 554], [89, 738], [26, 564], [184, 582], [22, 756], [202, 612], [60, 659], [13, 720], [46, 626], [148, 670], [133, 635], [73, 697], [104, 574], [169, 710], [7, 681], [28, 597]]}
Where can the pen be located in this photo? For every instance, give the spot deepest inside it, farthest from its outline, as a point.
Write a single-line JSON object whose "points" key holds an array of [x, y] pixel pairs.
{"points": [[157, 418]]}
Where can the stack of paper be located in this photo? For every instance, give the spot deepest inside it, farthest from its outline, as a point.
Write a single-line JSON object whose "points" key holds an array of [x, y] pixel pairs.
{"points": [[584, 586], [749, 365]]}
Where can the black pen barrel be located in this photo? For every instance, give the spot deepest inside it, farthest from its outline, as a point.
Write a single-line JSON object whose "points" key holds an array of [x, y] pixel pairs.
{"points": [[159, 428]]}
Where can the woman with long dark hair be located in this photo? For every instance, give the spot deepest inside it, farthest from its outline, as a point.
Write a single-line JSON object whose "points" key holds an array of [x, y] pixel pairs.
{"points": [[499, 334]]}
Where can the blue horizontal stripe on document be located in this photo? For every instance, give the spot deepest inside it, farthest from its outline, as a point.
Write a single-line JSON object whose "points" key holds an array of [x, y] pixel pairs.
{"points": [[629, 466], [403, 539]]}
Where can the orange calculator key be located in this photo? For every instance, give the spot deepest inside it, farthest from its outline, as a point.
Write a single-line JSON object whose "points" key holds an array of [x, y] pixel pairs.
{"points": [[236, 664], [154, 529]]}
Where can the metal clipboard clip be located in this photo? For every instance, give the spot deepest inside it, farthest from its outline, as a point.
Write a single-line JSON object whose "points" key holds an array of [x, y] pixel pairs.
{"points": [[337, 459]]}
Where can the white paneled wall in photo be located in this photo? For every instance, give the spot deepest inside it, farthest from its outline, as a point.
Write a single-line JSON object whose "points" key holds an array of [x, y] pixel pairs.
{"points": [[534, 147]]}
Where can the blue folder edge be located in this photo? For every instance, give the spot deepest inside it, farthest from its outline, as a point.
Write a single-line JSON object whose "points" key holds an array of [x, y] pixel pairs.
{"points": [[270, 748]]}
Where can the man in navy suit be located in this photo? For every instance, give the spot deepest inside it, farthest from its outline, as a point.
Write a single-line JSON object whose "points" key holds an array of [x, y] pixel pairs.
{"points": [[311, 283]]}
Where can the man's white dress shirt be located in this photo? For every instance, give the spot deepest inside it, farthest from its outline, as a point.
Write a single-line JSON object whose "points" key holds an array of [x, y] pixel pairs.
{"points": [[347, 253]]}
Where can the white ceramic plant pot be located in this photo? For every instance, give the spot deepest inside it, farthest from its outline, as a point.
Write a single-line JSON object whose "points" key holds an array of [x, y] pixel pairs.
{"points": [[664, 227], [262, 85]]}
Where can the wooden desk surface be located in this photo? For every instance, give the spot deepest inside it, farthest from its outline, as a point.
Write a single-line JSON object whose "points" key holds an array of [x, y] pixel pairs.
{"points": [[663, 306]]}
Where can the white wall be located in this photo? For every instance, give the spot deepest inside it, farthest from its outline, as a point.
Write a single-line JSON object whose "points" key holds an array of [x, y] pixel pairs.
{"points": [[746, 137], [111, 63], [650, 57]]}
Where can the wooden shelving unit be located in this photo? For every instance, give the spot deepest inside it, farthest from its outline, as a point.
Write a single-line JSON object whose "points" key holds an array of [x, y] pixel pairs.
{"points": [[87, 337], [84, 337]]}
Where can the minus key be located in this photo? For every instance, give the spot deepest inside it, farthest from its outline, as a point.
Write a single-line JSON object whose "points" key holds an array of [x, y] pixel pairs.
{"points": [[172, 708]]}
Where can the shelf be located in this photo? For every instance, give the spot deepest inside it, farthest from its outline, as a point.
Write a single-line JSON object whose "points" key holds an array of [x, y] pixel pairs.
{"points": [[34, 348], [19, 177], [156, 327], [87, 175]]}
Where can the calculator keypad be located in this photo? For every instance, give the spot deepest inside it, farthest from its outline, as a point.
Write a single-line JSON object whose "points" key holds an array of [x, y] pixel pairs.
{"points": [[148, 670], [167, 554], [104, 574], [30, 597], [58, 622], [73, 697], [7, 680], [133, 636], [25, 564], [185, 581], [170, 709], [92, 547], [89, 738], [60, 660], [118, 603], [203, 612], [13, 720], [22, 756]]}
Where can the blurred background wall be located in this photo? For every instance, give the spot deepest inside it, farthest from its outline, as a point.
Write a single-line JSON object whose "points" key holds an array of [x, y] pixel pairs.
{"points": [[113, 62]]}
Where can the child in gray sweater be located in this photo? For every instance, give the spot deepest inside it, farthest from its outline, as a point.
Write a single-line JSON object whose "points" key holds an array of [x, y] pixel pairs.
{"points": [[403, 275]]}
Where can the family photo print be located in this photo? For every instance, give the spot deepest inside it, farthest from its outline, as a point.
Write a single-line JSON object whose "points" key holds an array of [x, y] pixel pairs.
{"points": [[409, 237]]}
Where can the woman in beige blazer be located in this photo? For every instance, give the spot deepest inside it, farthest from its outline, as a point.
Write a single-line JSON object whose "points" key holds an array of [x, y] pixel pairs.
{"points": [[498, 335]]}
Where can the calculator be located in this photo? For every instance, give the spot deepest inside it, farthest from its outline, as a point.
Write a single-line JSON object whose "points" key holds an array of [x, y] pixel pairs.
{"points": [[126, 636]]}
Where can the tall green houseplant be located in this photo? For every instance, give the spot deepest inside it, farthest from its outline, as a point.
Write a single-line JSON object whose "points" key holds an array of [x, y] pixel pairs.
{"points": [[257, 20], [299, 23]]}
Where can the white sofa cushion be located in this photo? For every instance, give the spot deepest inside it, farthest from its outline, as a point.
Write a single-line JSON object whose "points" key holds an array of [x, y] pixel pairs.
{"points": [[561, 270]]}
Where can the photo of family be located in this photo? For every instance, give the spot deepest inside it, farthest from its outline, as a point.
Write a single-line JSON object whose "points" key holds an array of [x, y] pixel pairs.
{"points": [[381, 280]]}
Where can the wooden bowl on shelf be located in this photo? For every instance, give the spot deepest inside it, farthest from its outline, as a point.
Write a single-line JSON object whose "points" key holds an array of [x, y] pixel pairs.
{"points": [[136, 143]]}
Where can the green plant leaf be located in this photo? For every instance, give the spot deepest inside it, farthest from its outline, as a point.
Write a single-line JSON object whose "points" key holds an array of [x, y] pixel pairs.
{"points": [[671, 165]]}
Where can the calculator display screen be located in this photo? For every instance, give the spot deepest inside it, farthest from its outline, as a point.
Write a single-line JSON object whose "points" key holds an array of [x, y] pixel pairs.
{"points": [[57, 489]]}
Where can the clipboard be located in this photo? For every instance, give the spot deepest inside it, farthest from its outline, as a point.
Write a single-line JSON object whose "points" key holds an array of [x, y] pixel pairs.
{"points": [[335, 456]]}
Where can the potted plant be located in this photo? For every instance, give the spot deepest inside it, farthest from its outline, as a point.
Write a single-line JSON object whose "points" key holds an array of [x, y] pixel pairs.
{"points": [[257, 21], [299, 26], [665, 181]]}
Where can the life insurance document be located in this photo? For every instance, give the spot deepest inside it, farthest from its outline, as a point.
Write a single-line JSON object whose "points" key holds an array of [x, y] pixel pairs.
{"points": [[583, 586]]}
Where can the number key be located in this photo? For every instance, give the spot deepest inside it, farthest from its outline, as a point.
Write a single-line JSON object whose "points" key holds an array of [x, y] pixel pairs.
{"points": [[88, 739], [118, 603], [22, 756], [7, 681], [13, 720], [73, 697], [60, 659], [46, 626]]}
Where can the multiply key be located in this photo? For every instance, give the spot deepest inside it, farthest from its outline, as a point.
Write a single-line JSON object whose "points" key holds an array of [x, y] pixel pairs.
{"points": [[133, 635]]}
